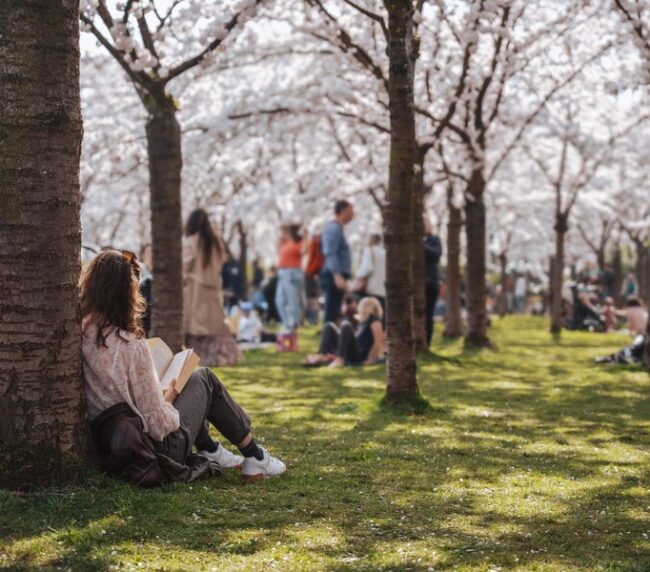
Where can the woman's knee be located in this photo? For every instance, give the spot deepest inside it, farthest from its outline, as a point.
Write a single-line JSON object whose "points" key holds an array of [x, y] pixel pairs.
{"points": [[347, 326], [206, 376]]}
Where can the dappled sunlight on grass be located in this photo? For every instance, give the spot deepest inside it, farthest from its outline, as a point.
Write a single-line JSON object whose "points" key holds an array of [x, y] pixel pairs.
{"points": [[531, 458]]}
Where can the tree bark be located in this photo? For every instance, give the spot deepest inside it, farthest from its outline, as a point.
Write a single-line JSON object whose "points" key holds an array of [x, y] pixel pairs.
{"points": [[642, 268], [454, 321], [165, 163], [557, 277], [502, 300], [617, 268], [401, 380], [40, 235], [419, 273], [476, 335], [243, 259]]}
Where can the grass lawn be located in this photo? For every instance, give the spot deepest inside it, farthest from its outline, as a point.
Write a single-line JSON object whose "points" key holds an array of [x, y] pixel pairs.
{"points": [[532, 459]]}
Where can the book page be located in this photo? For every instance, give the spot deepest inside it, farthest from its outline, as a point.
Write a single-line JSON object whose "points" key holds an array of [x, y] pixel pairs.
{"points": [[161, 354], [191, 363], [175, 369]]}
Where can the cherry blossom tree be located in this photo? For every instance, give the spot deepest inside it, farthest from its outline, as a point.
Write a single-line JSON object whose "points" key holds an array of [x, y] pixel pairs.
{"points": [[156, 43]]}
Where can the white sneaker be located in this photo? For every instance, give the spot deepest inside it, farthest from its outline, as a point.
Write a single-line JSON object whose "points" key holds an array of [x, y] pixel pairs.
{"points": [[269, 466], [225, 458]]}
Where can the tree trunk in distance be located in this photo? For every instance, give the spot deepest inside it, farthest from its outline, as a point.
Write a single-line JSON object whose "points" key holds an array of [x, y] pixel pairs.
{"points": [[40, 238], [557, 278], [454, 319], [617, 268], [502, 301], [243, 259], [419, 273], [401, 371], [476, 335], [641, 268], [165, 163]]}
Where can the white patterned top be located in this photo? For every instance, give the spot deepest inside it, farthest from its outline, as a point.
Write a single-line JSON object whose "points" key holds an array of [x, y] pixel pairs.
{"points": [[123, 372]]}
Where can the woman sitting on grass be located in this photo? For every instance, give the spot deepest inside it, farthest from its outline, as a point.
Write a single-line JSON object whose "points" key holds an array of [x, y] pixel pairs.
{"points": [[118, 370], [343, 346]]}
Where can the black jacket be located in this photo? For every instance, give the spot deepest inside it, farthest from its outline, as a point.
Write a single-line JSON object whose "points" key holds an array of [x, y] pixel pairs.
{"points": [[127, 452], [432, 254]]}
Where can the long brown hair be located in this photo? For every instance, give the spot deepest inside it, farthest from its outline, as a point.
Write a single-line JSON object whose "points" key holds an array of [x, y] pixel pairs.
{"points": [[199, 222], [110, 294]]}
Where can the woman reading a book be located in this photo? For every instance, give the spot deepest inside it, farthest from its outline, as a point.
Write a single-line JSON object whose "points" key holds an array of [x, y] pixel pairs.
{"points": [[118, 368]]}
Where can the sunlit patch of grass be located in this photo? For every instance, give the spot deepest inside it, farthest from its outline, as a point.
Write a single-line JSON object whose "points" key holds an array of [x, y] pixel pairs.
{"points": [[529, 458]]}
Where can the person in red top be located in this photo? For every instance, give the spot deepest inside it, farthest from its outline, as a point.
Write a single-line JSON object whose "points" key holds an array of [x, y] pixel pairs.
{"points": [[289, 295]]}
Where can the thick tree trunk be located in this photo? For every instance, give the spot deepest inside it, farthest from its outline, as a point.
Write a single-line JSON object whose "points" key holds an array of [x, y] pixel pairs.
{"points": [[557, 277], [398, 217], [40, 240], [476, 335], [419, 274], [165, 163], [454, 321]]}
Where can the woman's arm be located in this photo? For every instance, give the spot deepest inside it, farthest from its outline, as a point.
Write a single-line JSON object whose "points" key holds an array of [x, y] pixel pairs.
{"points": [[379, 339], [159, 414], [189, 254]]}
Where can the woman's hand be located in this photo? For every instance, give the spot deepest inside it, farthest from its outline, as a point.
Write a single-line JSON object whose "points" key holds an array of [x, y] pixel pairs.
{"points": [[170, 395]]}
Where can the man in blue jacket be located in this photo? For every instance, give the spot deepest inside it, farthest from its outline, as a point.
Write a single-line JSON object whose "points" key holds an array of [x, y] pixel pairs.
{"points": [[338, 262]]}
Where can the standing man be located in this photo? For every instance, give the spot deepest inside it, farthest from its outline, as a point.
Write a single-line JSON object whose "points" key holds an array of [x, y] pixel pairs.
{"points": [[432, 254], [338, 262]]}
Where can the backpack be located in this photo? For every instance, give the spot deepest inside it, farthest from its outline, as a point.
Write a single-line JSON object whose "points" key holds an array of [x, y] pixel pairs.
{"points": [[315, 258]]}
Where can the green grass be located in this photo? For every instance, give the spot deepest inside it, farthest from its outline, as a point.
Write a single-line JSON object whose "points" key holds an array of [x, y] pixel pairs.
{"points": [[531, 458]]}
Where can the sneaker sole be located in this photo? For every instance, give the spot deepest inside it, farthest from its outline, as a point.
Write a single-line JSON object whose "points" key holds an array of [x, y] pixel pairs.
{"points": [[259, 477]]}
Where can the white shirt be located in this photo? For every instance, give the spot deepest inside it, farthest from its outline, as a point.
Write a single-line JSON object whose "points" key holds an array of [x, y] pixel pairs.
{"points": [[520, 286], [250, 329], [373, 266], [123, 372]]}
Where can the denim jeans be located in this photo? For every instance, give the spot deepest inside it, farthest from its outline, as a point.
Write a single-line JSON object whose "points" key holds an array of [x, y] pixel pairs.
{"points": [[288, 297], [333, 297]]}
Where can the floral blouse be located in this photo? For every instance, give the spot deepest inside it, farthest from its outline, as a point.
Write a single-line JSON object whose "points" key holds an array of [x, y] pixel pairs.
{"points": [[123, 372]]}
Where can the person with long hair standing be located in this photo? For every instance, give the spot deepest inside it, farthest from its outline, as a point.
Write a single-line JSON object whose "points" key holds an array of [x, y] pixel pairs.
{"points": [[204, 321], [291, 279], [121, 382]]}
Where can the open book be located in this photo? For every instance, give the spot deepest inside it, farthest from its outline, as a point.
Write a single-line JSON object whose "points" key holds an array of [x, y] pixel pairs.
{"points": [[173, 370]]}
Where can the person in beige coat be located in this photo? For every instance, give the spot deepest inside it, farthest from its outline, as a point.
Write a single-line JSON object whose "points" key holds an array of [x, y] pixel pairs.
{"points": [[204, 323]]}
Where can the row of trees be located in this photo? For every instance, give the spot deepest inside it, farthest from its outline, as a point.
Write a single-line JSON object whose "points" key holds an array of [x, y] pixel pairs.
{"points": [[277, 107]]}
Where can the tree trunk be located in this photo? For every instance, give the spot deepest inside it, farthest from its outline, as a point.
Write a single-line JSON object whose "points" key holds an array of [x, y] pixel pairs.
{"points": [[401, 380], [454, 321], [40, 238], [617, 268], [419, 273], [243, 259], [557, 277], [165, 163], [502, 301], [476, 335], [646, 353], [642, 268]]}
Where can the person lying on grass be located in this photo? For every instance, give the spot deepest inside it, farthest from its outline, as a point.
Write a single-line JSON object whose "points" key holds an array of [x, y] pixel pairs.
{"points": [[343, 346], [118, 369]]}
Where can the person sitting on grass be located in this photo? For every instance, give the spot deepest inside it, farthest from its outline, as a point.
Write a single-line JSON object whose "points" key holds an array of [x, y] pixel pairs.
{"points": [[629, 354], [118, 369], [345, 346]]}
